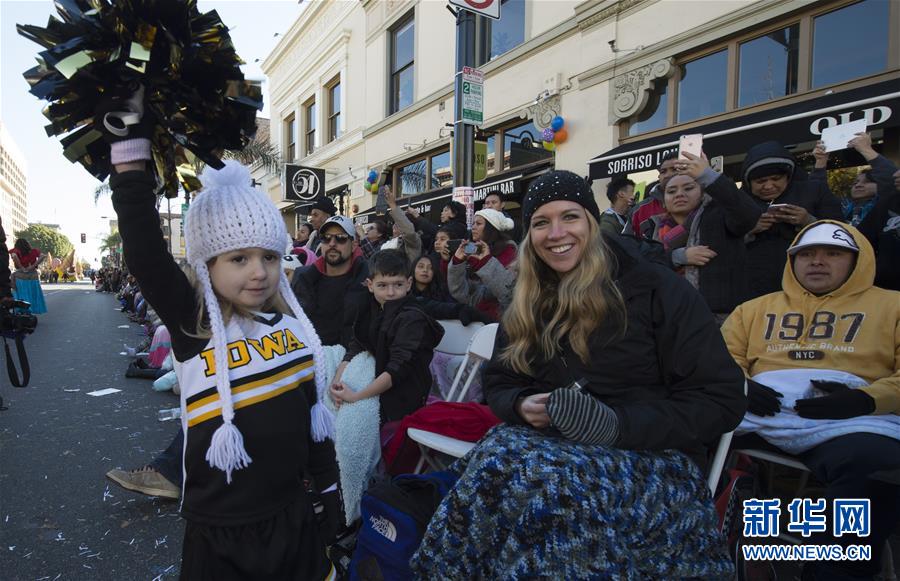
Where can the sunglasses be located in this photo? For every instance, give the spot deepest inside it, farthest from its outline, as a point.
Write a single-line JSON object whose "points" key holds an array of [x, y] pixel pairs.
{"points": [[339, 238]]}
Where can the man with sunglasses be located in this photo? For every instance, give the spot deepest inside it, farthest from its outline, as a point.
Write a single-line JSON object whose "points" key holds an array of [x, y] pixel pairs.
{"points": [[332, 288]]}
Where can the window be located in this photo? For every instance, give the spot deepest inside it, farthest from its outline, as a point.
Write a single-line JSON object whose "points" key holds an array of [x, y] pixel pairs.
{"points": [[769, 66], [829, 43], [310, 113], [850, 42], [522, 145], [334, 111], [441, 170], [411, 178], [655, 114], [402, 65], [290, 138], [702, 85], [500, 36]]}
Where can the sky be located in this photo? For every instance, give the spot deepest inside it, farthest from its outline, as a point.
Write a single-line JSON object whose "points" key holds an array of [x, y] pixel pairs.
{"points": [[60, 192]]}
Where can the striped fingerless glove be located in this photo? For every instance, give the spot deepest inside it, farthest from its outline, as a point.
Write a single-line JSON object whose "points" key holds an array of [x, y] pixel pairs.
{"points": [[582, 418]]}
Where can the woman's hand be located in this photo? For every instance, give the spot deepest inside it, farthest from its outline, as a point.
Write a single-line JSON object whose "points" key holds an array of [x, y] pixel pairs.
{"points": [[699, 255], [460, 253], [533, 409], [821, 155], [765, 222], [389, 196], [791, 214], [863, 144], [693, 166], [482, 250]]}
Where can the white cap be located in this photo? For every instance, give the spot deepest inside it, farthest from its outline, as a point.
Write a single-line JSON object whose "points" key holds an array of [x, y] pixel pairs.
{"points": [[825, 234], [343, 222], [497, 219]]}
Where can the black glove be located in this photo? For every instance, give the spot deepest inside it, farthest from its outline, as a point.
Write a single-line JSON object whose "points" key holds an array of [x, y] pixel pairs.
{"points": [[582, 417], [762, 400], [838, 405], [331, 519]]}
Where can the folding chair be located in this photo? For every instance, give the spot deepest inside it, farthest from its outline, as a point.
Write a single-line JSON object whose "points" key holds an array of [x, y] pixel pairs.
{"points": [[480, 349]]}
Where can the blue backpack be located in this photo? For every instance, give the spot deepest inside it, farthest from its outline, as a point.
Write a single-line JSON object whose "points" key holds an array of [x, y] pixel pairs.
{"points": [[395, 514]]}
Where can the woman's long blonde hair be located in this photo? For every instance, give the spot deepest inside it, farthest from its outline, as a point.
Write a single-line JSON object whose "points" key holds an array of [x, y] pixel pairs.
{"points": [[202, 329], [547, 308]]}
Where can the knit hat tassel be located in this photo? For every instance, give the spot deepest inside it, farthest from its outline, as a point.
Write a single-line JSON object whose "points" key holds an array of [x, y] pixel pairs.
{"points": [[226, 450], [322, 423]]}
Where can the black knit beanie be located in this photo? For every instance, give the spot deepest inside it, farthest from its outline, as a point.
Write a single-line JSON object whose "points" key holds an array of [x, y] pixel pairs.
{"points": [[558, 185]]}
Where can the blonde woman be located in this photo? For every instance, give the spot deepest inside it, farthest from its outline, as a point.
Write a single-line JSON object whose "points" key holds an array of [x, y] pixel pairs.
{"points": [[613, 382]]}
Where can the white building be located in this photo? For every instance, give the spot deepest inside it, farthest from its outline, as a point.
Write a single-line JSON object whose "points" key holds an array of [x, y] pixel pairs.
{"points": [[13, 189], [360, 85]]}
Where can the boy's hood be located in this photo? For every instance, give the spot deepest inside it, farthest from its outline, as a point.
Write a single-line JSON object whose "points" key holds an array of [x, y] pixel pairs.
{"points": [[861, 279]]}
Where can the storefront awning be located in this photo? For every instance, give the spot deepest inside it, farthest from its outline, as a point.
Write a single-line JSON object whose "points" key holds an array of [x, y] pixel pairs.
{"points": [[800, 122], [285, 206]]}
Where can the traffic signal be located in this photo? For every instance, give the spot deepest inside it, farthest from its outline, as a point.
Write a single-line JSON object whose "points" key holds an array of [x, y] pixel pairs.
{"points": [[84, 238]]}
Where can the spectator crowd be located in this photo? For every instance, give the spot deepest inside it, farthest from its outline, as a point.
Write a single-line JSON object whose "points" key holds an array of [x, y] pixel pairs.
{"points": [[629, 341]]}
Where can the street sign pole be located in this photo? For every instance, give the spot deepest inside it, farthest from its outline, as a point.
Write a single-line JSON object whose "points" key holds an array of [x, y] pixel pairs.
{"points": [[463, 133]]}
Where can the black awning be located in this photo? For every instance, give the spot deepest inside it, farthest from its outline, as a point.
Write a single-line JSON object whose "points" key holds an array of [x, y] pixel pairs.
{"points": [[800, 122]]}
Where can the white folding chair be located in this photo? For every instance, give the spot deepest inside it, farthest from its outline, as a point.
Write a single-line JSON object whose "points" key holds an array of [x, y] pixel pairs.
{"points": [[480, 349], [457, 337]]}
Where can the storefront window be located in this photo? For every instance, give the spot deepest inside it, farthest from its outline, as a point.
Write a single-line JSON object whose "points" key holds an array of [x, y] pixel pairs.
{"points": [[654, 114], [440, 170], [412, 178], [850, 42], [768, 67], [701, 91], [522, 145], [508, 32], [491, 154]]}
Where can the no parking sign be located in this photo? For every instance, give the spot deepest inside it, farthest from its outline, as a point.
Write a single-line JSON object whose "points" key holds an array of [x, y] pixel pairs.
{"points": [[489, 8]]}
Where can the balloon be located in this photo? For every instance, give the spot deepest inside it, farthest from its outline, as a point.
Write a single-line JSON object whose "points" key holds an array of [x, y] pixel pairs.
{"points": [[560, 136], [374, 188], [549, 145], [547, 135], [557, 123], [373, 175]]}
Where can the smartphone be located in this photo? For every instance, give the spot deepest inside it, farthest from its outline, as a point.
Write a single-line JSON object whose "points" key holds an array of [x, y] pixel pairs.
{"points": [[453, 245], [777, 207], [470, 248], [691, 144]]}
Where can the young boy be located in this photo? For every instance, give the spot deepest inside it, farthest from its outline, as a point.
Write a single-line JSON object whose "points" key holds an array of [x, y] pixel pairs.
{"points": [[398, 334]]}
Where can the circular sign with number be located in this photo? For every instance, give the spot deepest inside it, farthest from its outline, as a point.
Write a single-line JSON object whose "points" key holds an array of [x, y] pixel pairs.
{"points": [[306, 184]]}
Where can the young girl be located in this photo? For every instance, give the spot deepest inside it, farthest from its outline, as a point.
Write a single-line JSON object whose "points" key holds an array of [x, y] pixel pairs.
{"points": [[248, 361], [26, 282]]}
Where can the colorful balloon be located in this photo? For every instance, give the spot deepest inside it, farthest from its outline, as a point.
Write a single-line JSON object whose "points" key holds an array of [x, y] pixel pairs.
{"points": [[557, 123], [373, 175], [547, 135], [549, 146], [560, 136]]}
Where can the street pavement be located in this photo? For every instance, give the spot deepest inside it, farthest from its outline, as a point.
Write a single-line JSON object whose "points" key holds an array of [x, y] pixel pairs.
{"points": [[59, 516]]}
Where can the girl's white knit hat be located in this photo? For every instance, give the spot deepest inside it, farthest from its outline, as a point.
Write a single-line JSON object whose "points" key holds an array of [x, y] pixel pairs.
{"points": [[227, 215], [497, 219]]}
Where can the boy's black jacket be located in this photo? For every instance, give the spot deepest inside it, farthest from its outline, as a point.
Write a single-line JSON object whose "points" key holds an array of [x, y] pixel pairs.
{"points": [[402, 339]]}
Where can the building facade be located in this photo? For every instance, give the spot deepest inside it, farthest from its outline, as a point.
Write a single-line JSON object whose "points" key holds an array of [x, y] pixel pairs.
{"points": [[13, 187], [361, 85]]}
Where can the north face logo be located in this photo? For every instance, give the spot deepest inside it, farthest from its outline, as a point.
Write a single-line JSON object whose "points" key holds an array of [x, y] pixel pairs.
{"points": [[384, 527]]}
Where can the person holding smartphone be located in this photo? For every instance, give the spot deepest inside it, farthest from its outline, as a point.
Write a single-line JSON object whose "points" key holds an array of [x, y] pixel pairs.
{"points": [[479, 273], [789, 202]]}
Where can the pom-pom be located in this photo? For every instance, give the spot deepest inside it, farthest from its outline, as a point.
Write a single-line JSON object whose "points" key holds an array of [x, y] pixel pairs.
{"points": [[226, 450], [103, 50], [232, 174]]}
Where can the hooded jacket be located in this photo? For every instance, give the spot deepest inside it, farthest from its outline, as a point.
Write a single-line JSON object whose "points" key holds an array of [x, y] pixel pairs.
{"points": [[767, 250], [855, 328], [402, 339]]}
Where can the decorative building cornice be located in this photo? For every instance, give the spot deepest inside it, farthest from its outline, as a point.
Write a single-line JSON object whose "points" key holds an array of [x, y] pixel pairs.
{"points": [[607, 12], [544, 110], [631, 90]]}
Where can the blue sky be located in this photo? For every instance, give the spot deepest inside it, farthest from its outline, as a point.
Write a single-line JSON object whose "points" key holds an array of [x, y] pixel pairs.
{"points": [[60, 192]]}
